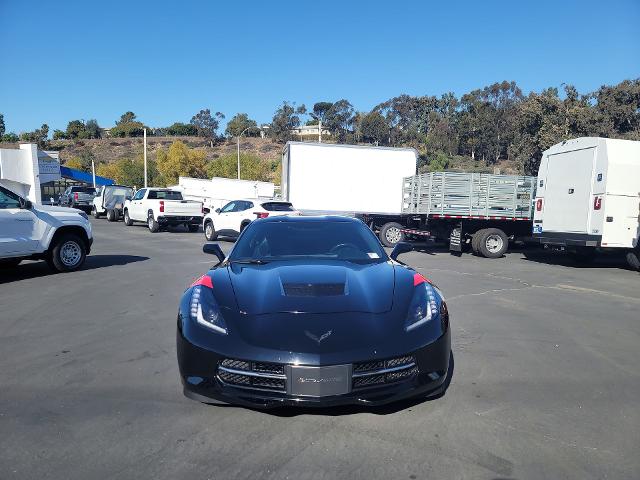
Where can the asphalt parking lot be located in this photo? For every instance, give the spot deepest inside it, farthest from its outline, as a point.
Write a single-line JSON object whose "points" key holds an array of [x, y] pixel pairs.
{"points": [[546, 381]]}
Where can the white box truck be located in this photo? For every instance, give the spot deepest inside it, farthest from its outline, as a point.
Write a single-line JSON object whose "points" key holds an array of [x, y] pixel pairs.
{"points": [[345, 179], [217, 192], [588, 197]]}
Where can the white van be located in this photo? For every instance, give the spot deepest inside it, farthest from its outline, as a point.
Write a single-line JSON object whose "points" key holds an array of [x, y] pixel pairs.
{"points": [[588, 197]]}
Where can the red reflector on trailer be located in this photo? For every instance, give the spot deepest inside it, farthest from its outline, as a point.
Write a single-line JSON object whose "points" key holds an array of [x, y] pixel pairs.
{"points": [[419, 278], [539, 204], [204, 280], [597, 203]]}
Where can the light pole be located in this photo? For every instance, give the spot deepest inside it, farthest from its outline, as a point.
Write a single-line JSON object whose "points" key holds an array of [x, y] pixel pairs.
{"points": [[248, 128]]}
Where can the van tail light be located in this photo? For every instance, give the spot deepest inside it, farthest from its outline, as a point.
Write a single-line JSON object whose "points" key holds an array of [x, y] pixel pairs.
{"points": [[75, 196], [161, 206], [261, 214], [539, 205], [597, 203]]}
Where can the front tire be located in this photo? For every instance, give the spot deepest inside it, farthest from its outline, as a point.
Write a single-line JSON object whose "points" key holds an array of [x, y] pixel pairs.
{"points": [[68, 254], [210, 232], [493, 243], [390, 234], [127, 219], [633, 259]]}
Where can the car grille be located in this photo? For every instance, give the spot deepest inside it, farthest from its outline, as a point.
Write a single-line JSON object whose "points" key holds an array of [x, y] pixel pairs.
{"points": [[375, 373], [272, 377], [258, 375]]}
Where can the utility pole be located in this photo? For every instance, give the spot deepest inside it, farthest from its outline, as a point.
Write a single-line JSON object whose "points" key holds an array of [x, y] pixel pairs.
{"points": [[239, 156], [320, 131], [93, 172], [145, 158]]}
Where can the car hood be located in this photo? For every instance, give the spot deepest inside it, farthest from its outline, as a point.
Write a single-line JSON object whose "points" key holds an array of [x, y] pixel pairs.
{"points": [[322, 287]]}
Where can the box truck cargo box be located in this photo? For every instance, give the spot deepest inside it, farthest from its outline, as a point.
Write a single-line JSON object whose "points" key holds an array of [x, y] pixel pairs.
{"points": [[217, 192], [588, 194], [327, 178]]}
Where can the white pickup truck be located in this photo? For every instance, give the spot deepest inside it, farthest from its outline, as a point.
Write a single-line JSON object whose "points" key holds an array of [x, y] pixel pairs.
{"points": [[161, 207], [61, 236]]}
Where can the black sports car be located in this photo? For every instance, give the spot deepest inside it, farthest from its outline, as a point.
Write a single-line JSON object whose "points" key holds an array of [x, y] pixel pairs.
{"points": [[311, 311]]}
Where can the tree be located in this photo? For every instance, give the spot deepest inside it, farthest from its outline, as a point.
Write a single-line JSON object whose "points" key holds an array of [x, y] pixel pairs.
{"points": [[252, 167], [180, 160], [338, 119], [38, 136], [74, 162], [59, 135], [374, 128], [10, 137], [182, 129], [285, 119], [239, 123], [207, 124], [93, 129], [126, 117], [127, 171], [2, 126], [128, 129], [319, 112], [76, 129]]}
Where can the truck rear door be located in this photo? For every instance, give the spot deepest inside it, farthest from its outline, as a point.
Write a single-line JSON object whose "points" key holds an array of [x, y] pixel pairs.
{"points": [[567, 202]]}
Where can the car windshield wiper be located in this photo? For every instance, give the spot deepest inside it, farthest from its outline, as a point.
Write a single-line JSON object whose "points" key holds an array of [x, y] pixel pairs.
{"points": [[250, 261]]}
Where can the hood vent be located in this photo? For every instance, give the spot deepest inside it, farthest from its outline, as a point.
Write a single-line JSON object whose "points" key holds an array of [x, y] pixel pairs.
{"points": [[314, 289]]}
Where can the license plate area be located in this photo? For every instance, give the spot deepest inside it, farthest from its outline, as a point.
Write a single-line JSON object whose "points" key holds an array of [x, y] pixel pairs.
{"points": [[318, 381]]}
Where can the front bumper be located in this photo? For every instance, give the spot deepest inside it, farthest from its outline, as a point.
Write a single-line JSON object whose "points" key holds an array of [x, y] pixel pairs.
{"points": [[199, 372]]}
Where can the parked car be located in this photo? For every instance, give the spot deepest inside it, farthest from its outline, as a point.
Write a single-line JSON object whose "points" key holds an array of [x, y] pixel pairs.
{"points": [[110, 201], [231, 219], [77, 197], [60, 236], [311, 311], [162, 207]]}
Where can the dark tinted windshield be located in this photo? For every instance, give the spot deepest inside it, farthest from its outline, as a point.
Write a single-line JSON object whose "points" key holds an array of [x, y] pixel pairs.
{"points": [[164, 195], [277, 207], [270, 241]]}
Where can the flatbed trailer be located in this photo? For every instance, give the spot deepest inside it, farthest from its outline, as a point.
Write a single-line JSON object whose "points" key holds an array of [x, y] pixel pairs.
{"points": [[481, 211]]}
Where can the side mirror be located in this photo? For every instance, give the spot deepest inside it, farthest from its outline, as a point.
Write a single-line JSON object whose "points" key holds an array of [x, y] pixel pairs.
{"points": [[400, 248], [217, 210], [214, 249], [25, 204]]}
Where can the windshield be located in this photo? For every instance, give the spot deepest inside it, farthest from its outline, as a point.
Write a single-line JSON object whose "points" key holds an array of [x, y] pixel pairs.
{"points": [[269, 241], [83, 190]]}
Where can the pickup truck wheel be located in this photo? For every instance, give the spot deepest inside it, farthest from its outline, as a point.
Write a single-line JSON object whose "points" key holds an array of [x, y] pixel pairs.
{"points": [[390, 234], [193, 227], [127, 219], [152, 224], [493, 243], [633, 259], [94, 212], [9, 262], [68, 253], [210, 232]]}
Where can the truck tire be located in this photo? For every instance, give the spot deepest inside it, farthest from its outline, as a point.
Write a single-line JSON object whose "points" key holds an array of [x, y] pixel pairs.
{"points": [[111, 215], [152, 224], [193, 227], [633, 259], [475, 241], [493, 243], [210, 232], [390, 234], [127, 219], [94, 212], [68, 253]]}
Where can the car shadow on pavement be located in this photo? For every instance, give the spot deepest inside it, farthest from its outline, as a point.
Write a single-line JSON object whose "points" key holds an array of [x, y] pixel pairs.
{"points": [[564, 259], [28, 269]]}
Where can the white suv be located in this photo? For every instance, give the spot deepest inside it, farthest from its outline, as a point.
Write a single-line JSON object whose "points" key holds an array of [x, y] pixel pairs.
{"points": [[61, 236], [231, 219]]}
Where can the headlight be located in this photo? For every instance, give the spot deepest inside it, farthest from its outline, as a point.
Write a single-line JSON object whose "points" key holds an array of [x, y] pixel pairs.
{"points": [[204, 309], [423, 306]]}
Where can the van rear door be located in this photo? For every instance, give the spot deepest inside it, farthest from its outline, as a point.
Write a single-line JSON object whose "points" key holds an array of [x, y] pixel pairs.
{"points": [[567, 202]]}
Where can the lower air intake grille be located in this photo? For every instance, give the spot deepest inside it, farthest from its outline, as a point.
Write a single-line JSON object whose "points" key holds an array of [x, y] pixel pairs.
{"points": [[259, 375], [375, 373]]}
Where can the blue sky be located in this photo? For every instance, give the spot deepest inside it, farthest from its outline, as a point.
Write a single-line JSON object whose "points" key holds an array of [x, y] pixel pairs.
{"points": [[64, 60]]}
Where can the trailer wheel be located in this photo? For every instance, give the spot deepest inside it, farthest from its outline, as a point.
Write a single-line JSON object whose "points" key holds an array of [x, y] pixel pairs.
{"points": [[390, 234], [111, 215], [475, 241], [492, 243]]}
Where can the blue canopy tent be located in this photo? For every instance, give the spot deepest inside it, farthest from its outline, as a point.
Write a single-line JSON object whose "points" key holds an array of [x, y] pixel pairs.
{"points": [[84, 177]]}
